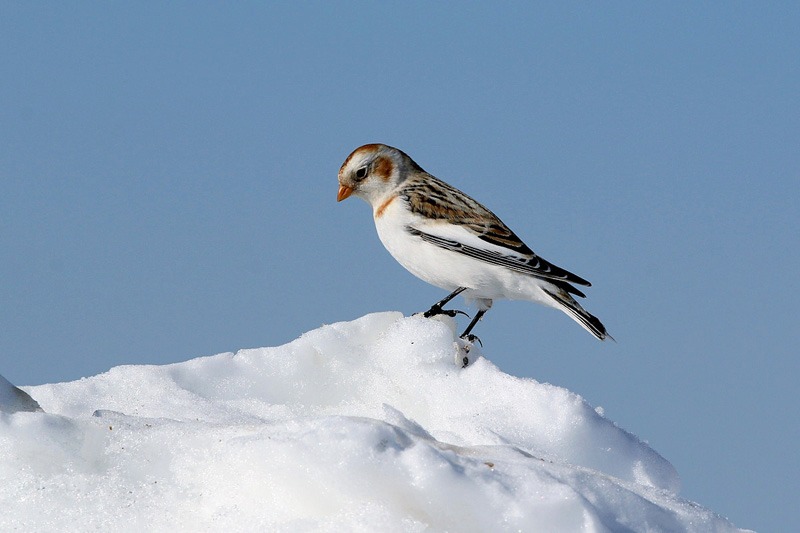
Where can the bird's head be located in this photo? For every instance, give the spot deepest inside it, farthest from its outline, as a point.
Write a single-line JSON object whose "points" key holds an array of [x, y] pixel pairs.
{"points": [[373, 171]]}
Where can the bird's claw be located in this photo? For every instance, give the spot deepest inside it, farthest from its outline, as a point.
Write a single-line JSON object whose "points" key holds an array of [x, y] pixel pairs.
{"points": [[437, 310], [472, 338]]}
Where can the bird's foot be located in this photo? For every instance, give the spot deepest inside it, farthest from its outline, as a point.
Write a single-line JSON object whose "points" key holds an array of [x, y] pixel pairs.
{"points": [[437, 310], [462, 354], [466, 350], [470, 338]]}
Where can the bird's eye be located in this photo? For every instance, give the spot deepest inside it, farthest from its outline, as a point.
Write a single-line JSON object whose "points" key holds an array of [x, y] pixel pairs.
{"points": [[361, 173]]}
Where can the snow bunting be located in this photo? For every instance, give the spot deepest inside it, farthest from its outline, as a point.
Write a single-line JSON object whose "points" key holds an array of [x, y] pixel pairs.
{"points": [[449, 240]]}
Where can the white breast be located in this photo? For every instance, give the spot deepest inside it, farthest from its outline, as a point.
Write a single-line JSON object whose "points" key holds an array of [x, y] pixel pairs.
{"points": [[445, 268]]}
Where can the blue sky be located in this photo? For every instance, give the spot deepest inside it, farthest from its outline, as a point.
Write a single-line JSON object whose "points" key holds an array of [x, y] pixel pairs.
{"points": [[168, 184]]}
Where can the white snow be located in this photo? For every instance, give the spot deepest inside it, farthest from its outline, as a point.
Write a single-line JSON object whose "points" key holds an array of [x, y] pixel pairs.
{"points": [[13, 399], [367, 425]]}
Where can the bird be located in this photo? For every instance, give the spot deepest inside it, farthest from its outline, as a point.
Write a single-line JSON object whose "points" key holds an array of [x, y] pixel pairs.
{"points": [[449, 240]]}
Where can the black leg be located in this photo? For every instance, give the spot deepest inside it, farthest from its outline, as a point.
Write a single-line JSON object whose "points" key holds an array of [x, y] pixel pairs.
{"points": [[436, 309], [469, 337], [466, 335]]}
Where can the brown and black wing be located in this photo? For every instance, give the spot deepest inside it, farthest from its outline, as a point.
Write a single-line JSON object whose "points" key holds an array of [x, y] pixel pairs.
{"points": [[436, 200]]}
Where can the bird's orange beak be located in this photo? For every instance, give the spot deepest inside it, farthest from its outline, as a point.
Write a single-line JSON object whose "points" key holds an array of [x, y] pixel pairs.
{"points": [[344, 192]]}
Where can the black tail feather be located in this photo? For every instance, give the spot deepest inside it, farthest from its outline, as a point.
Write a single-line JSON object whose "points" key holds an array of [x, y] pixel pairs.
{"points": [[572, 308]]}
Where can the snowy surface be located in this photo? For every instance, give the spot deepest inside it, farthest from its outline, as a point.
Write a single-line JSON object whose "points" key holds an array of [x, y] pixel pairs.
{"points": [[369, 425], [13, 399]]}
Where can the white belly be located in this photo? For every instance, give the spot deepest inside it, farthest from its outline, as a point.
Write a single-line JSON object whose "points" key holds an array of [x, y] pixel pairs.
{"points": [[450, 270]]}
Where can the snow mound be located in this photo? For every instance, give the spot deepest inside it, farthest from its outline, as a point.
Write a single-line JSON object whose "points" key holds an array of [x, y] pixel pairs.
{"points": [[369, 425], [13, 400]]}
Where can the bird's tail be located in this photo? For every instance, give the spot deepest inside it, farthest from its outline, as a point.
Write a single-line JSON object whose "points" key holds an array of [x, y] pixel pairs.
{"points": [[590, 323]]}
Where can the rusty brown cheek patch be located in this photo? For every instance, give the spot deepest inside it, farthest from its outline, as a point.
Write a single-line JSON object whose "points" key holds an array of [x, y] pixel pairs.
{"points": [[383, 168]]}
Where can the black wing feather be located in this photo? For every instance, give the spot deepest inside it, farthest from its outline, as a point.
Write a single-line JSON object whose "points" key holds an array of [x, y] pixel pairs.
{"points": [[434, 199], [532, 265]]}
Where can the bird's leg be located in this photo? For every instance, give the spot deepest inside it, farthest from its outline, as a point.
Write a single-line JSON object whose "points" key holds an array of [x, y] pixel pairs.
{"points": [[436, 309], [469, 336]]}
